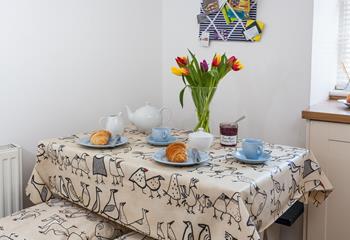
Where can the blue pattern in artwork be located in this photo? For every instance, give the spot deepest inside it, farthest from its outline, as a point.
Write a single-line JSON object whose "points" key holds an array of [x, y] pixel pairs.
{"points": [[222, 31]]}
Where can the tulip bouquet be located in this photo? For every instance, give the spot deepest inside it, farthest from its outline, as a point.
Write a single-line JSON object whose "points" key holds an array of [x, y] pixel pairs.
{"points": [[203, 80]]}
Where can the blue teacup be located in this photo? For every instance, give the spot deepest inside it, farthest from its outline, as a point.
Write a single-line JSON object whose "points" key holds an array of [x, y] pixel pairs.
{"points": [[160, 134], [252, 148]]}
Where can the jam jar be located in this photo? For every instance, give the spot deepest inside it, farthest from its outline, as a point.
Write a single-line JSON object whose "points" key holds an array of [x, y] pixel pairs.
{"points": [[228, 134]]}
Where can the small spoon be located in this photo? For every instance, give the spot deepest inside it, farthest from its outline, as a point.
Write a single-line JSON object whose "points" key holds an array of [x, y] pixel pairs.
{"points": [[240, 119], [196, 155], [114, 140]]}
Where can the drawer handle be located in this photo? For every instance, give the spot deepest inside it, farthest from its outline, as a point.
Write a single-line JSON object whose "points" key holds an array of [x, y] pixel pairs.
{"points": [[340, 141]]}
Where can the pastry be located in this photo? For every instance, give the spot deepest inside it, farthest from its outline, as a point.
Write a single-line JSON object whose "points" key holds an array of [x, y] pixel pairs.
{"points": [[176, 152], [348, 99], [100, 137]]}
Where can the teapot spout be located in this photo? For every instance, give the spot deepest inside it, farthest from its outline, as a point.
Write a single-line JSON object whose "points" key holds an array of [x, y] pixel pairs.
{"points": [[130, 114]]}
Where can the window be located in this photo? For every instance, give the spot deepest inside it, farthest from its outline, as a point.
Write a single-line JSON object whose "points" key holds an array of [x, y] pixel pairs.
{"points": [[343, 73]]}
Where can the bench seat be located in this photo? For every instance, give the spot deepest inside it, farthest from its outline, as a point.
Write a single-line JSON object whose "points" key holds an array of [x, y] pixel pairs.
{"points": [[134, 236], [58, 220]]}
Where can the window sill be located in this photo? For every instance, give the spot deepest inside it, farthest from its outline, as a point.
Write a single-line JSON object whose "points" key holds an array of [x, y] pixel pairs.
{"points": [[328, 111], [338, 94]]}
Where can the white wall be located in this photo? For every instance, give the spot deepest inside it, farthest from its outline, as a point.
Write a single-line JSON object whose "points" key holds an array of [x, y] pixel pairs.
{"points": [[274, 87], [65, 63]]}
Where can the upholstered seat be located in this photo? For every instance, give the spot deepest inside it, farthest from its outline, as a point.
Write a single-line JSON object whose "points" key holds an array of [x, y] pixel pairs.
{"points": [[58, 220], [134, 236]]}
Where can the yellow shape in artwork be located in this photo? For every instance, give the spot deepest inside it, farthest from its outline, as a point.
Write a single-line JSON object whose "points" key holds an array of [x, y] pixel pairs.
{"points": [[260, 25]]}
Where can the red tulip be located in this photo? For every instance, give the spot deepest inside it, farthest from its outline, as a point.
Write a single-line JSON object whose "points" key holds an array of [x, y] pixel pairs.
{"points": [[216, 60], [182, 61], [231, 60], [237, 66], [234, 63]]}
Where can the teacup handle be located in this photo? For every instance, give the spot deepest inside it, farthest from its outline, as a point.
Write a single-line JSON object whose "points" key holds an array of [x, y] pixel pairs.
{"points": [[169, 116], [102, 121], [260, 150], [164, 135]]}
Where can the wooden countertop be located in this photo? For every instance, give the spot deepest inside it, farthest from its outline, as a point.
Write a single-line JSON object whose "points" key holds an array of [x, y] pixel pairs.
{"points": [[328, 111]]}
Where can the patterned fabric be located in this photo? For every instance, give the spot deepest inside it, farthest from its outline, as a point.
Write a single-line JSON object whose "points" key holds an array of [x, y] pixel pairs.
{"points": [[58, 220], [134, 236], [223, 199], [220, 30]]}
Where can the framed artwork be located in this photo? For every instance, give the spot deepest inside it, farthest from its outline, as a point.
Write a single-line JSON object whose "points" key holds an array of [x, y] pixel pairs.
{"points": [[229, 20]]}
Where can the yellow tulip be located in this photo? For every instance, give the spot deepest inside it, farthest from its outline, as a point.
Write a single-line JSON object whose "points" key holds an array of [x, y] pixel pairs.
{"points": [[179, 71], [176, 71], [185, 71]]}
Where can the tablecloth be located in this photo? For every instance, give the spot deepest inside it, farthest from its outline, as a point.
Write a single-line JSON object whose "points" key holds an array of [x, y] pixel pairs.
{"points": [[223, 199]]}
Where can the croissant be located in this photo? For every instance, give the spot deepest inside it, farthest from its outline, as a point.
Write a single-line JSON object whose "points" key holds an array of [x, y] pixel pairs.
{"points": [[100, 137], [176, 152]]}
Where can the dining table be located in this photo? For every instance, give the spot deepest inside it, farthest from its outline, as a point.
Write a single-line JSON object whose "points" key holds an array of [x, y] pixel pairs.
{"points": [[220, 199]]}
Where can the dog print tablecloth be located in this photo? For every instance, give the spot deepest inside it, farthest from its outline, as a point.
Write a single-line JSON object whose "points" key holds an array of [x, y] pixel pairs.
{"points": [[223, 199], [58, 219]]}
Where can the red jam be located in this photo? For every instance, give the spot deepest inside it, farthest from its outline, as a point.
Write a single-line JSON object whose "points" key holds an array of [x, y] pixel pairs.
{"points": [[229, 133]]}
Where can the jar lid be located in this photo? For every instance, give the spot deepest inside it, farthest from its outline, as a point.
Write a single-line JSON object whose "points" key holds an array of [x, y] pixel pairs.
{"points": [[200, 134]]}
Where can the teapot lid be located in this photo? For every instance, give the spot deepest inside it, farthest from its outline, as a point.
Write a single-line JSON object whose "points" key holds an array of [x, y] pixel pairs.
{"points": [[146, 107], [200, 134]]}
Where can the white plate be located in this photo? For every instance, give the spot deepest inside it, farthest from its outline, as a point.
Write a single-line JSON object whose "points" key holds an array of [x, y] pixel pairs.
{"points": [[344, 102], [191, 160], [113, 142]]}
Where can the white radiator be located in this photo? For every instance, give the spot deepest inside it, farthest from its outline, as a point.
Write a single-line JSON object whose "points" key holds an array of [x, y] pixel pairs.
{"points": [[11, 196]]}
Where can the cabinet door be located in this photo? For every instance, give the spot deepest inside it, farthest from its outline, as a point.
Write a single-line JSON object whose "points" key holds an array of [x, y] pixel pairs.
{"points": [[338, 209], [330, 142]]}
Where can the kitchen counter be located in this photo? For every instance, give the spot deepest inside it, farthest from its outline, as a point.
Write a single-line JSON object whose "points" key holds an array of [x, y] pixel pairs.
{"points": [[328, 111]]}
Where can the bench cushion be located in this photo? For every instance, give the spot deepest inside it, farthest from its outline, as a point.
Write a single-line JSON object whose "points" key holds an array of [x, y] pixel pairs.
{"points": [[58, 220], [135, 236]]}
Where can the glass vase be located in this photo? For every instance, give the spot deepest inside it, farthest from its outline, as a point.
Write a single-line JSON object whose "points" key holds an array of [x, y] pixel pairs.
{"points": [[202, 97]]}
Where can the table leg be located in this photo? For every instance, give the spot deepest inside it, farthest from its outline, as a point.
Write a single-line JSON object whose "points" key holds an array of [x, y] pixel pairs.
{"points": [[305, 217], [263, 235], [273, 232]]}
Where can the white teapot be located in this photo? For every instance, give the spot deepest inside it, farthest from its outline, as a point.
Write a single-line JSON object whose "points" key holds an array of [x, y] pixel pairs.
{"points": [[113, 123], [147, 117]]}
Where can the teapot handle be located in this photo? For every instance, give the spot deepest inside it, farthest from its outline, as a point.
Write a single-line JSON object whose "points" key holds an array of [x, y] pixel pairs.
{"points": [[170, 114]]}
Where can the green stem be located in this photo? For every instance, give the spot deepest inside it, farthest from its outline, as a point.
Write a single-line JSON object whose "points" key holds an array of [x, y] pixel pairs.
{"points": [[202, 101]]}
